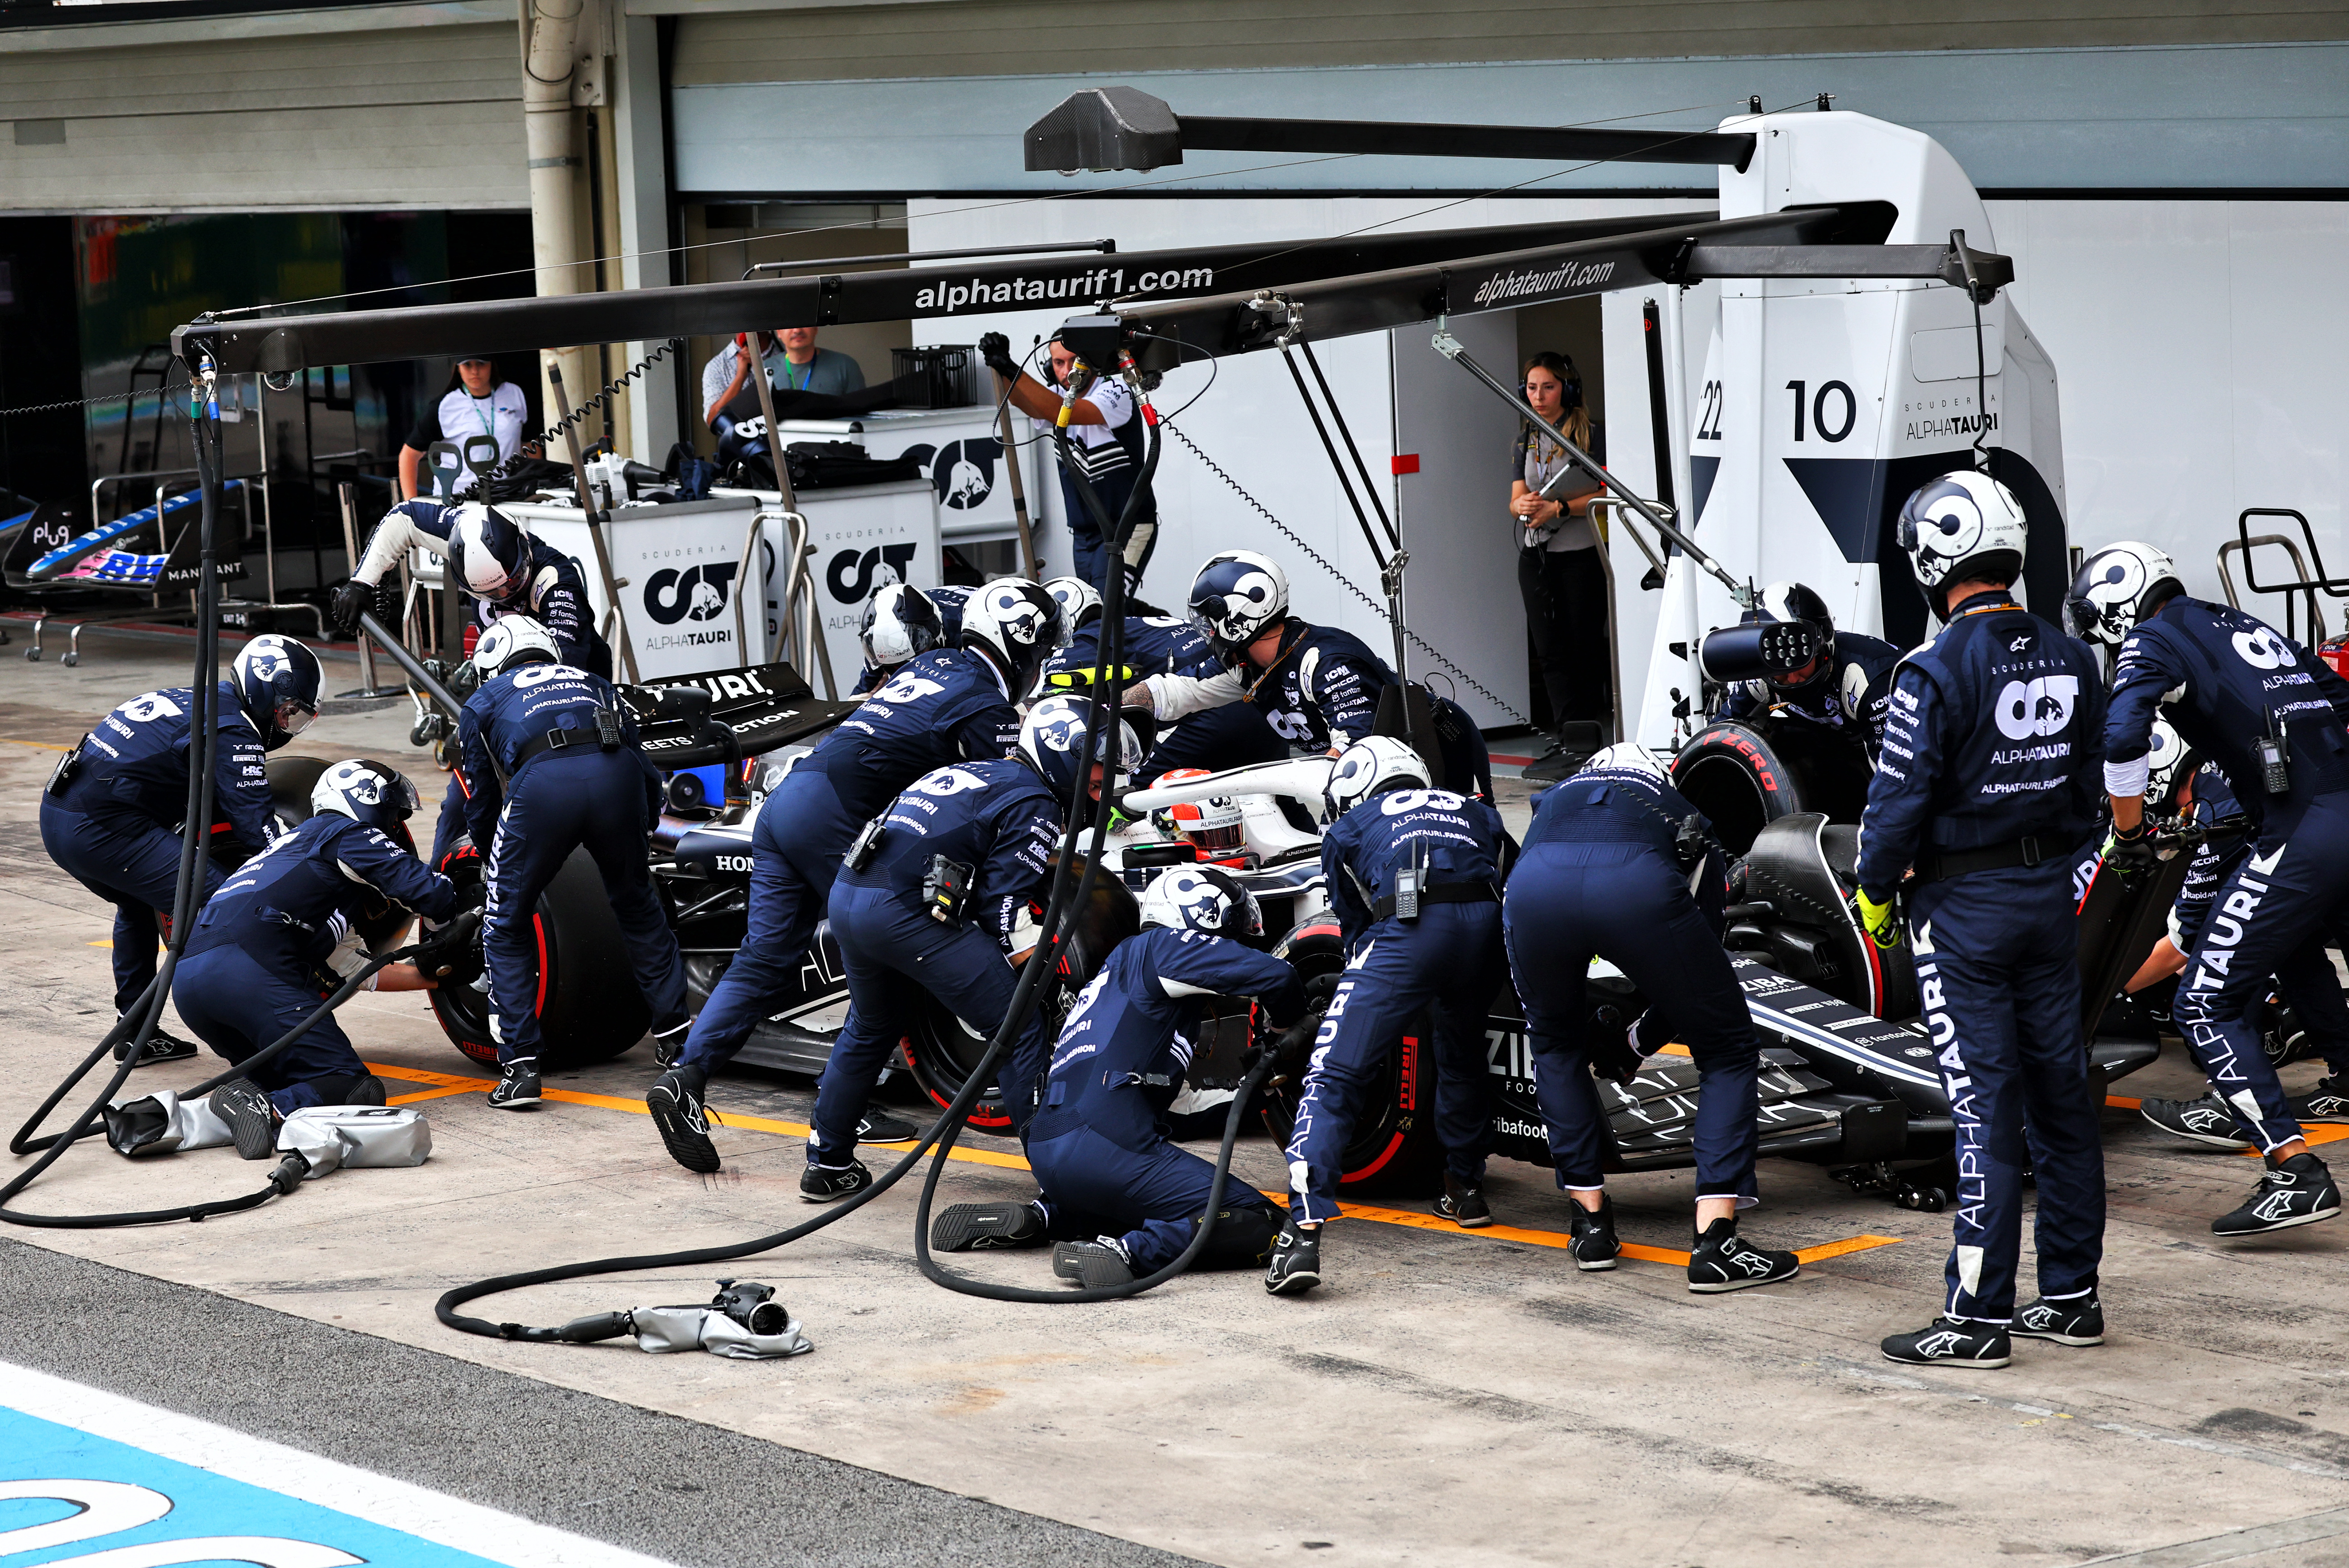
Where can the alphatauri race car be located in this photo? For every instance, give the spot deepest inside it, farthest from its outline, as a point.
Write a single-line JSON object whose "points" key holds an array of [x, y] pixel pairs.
{"points": [[1849, 1081]]}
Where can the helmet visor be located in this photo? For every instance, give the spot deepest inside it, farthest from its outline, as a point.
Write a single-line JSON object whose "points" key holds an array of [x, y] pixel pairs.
{"points": [[294, 715]]}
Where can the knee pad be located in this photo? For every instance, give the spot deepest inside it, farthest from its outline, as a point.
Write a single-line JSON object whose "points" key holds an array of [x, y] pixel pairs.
{"points": [[350, 1089], [1242, 1239]]}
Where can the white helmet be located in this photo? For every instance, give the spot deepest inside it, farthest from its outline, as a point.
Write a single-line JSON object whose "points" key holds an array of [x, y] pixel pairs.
{"points": [[1963, 524], [1237, 595], [2166, 750], [367, 791], [2118, 587], [1079, 600], [1016, 623], [1371, 766], [1052, 740], [1202, 899], [900, 622], [511, 638], [490, 552], [1627, 757]]}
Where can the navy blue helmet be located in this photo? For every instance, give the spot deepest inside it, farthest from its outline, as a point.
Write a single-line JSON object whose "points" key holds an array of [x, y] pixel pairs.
{"points": [[1236, 598], [276, 680], [1052, 740]]}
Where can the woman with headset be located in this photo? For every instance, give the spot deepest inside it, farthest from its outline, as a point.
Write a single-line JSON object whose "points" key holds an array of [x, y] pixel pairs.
{"points": [[1558, 573]]}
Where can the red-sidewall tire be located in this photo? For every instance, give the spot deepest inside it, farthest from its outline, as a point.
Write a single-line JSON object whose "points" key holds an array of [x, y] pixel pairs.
{"points": [[589, 1009]]}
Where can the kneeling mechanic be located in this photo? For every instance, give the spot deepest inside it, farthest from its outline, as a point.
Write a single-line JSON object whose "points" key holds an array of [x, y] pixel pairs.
{"points": [[1618, 864], [1414, 875], [1098, 1147], [253, 967], [553, 755]]}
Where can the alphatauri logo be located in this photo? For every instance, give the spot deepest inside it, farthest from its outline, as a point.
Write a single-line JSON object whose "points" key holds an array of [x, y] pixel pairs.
{"points": [[698, 593], [851, 577]]}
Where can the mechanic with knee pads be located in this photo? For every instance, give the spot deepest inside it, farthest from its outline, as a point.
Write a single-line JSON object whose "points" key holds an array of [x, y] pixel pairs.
{"points": [[944, 706], [2269, 714], [505, 572], [112, 812], [2305, 982], [1844, 684], [929, 896], [1316, 686], [1098, 1146], [1987, 788], [1415, 875], [551, 752], [903, 622], [1231, 736], [1618, 864], [282, 932]]}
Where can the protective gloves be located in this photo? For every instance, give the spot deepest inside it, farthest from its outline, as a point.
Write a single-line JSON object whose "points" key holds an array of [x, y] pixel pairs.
{"points": [[439, 955], [1877, 920], [352, 600], [995, 348], [2129, 852]]}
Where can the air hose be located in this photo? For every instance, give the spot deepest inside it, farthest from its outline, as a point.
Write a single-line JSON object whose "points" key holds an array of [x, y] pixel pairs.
{"points": [[1060, 912]]}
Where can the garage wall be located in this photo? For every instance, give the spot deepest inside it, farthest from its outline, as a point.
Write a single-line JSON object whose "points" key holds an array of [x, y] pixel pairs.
{"points": [[388, 107]]}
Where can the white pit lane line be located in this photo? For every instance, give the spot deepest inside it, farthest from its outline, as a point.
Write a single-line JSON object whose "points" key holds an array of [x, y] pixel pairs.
{"points": [[128, 1485]]}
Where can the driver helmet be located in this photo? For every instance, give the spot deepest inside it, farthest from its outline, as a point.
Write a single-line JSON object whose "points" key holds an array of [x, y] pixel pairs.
{"points": [[1795, 605], [1963, 524], [489, 554], [2118, 587], [511, 640], [1202, 899], [369, 793], [1213, 826], [1052, 741], [276, 680], [1237, 596], [900, 623]]}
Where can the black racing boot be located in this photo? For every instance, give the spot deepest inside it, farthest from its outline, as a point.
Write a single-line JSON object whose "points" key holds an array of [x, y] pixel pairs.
{"points": [[1099, 1262], [1946, 1343], [669, 1040], [1723, 1261], [985, 1226], [830, 1183], [159, 1047], [1463, 1203], [2080, 1321], [2329, 1102], [517, 1085], [1594, 1246], [676, 1102], [1296, 1265], [878, 1128], [2208, 1120], [251, 1119], [2299, 1191]]}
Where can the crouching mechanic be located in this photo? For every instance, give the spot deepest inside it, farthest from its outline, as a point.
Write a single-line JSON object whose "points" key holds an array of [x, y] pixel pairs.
{"points": [[552, 753], [943, 706], [1987, 788], [928, 896], [1844, 684], [903, 622], [506, 572], [1316, 686], [1230, 736], [111, 814], [1097, 1144], [1414, 875], [1618, 864], [284, 925], [2270, 713]]}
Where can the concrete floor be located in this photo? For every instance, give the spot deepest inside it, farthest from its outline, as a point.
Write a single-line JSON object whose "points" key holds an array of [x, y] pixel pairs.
{"points": [[1445, 1398]]}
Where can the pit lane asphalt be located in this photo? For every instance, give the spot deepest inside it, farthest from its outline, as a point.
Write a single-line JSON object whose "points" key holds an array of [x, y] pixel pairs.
{"points": [[1445, 1398]]}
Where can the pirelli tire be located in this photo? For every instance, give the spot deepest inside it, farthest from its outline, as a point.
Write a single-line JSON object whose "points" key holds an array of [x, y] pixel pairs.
{"points": [[1393, 1151], [589, 1009]]}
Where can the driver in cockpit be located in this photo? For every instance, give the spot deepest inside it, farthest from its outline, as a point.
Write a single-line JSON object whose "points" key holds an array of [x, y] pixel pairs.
{"points": [[1808, 672]]}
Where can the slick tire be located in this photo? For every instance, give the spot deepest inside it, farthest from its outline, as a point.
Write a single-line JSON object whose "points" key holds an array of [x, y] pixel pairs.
{"points": [[589, 1009]]}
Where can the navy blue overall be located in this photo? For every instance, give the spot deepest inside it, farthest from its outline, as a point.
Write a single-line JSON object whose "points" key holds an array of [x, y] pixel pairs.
{"points": [[941, 707], [999, 820], [1451, 957], [1991, 746], [1098, 1147], [256, 964], [1600, 878], [552, 803], [116, 827], [2243, 681]]}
